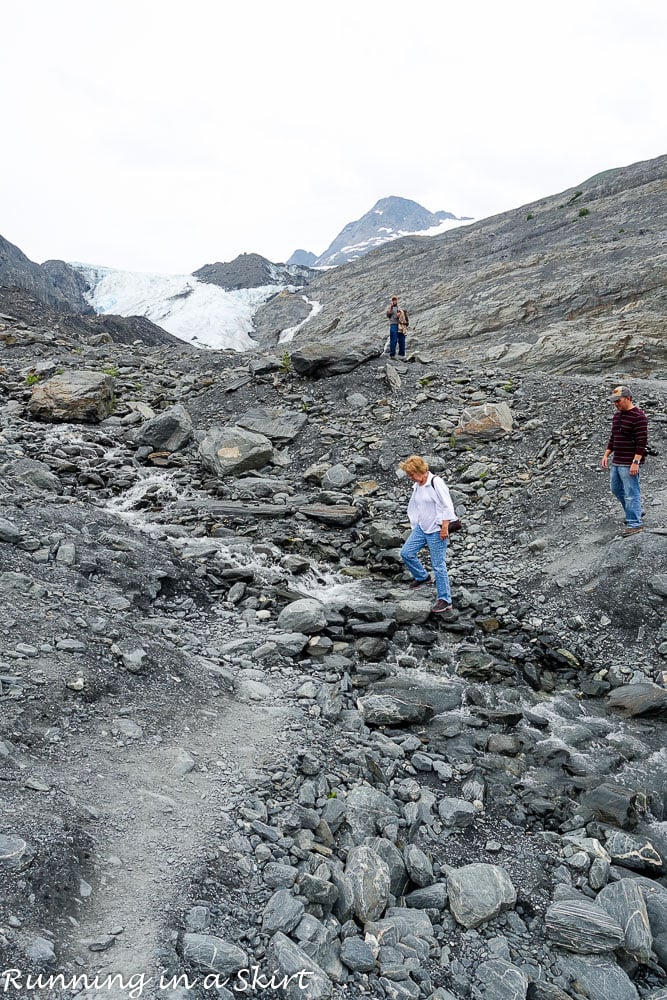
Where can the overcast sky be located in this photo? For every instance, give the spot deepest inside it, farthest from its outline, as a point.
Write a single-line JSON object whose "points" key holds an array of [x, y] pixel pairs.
{"points": [[160, 136]]}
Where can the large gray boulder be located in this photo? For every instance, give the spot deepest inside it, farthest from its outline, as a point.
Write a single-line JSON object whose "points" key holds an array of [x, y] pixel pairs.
{"points": [[229, 451], [323, 361], [74, 397], [168, 431], [306, 616], [478, 893]]}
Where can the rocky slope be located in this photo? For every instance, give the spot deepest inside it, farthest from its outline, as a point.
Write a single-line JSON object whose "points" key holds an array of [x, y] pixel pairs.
{"points": [[571, 283], [53, 283], [233, 744], [251, 270]]}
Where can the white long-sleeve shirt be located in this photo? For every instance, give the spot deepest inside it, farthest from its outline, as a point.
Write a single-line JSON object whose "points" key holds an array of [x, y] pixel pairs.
{"points": [[430, 505]]}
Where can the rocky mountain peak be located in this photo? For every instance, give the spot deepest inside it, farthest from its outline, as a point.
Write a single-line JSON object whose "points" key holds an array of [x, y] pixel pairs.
{"points": [[387, 220], [251, 270]]}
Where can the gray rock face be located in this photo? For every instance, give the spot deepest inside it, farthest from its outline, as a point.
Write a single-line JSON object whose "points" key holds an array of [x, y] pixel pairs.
{"points": [[168, 431], [478, 893], [639, 699], [9, 532], [582, 927], [75, 397], [390, 710], [368, 810], [34, 475], [544, 286], [387, 219], [42, 281], [229, 451], [14, 851], [637, 853]]}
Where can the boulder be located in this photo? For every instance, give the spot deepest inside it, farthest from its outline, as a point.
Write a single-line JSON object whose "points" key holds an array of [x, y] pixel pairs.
{"points": [[168, 431], [581, 926], [369, 877], [500, 980], [479, 892], [625, 904], [305, 980], [642, 698], [74, 397], [323, 361], [485, 422], [229, 451], [306, 616], [213, 954]]}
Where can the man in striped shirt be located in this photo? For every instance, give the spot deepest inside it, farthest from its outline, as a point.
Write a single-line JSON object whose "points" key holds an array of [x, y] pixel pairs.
{"points": [[627, 443]]}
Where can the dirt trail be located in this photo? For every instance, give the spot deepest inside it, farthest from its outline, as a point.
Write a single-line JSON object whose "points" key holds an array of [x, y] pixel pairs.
{"points": [[154, 827]]}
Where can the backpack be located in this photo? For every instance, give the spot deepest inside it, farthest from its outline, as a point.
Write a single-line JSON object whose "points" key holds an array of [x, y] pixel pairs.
{"points": [[403, 321], [406, 319]]}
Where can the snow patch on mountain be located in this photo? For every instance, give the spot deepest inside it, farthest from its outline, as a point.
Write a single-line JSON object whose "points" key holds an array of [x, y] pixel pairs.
{"points": [[198, 312], [288, 334]]}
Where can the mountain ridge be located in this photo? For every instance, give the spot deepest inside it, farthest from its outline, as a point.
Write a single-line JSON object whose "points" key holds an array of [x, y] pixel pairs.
{"points": [[389, 219]]}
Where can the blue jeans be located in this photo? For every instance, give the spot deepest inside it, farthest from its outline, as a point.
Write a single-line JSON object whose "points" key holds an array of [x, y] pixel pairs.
{"points": [[437, 546], [396, 338], [626, 490]]}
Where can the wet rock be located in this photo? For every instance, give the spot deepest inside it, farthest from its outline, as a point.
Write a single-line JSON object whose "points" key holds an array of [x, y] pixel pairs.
{"points": [[305, 616], [641, 698], [613, 804]]}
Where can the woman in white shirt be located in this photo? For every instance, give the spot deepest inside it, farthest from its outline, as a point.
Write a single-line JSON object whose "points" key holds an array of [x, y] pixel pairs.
{"points": [[430, 510]]}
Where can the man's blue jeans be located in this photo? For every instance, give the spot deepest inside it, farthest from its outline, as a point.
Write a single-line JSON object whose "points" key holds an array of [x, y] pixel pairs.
{"points": [[396, 338], [437, 546], [626, 490]]}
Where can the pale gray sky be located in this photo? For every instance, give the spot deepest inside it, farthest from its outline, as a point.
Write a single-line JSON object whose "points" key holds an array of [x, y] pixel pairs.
{"points": [[158, 135]]}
